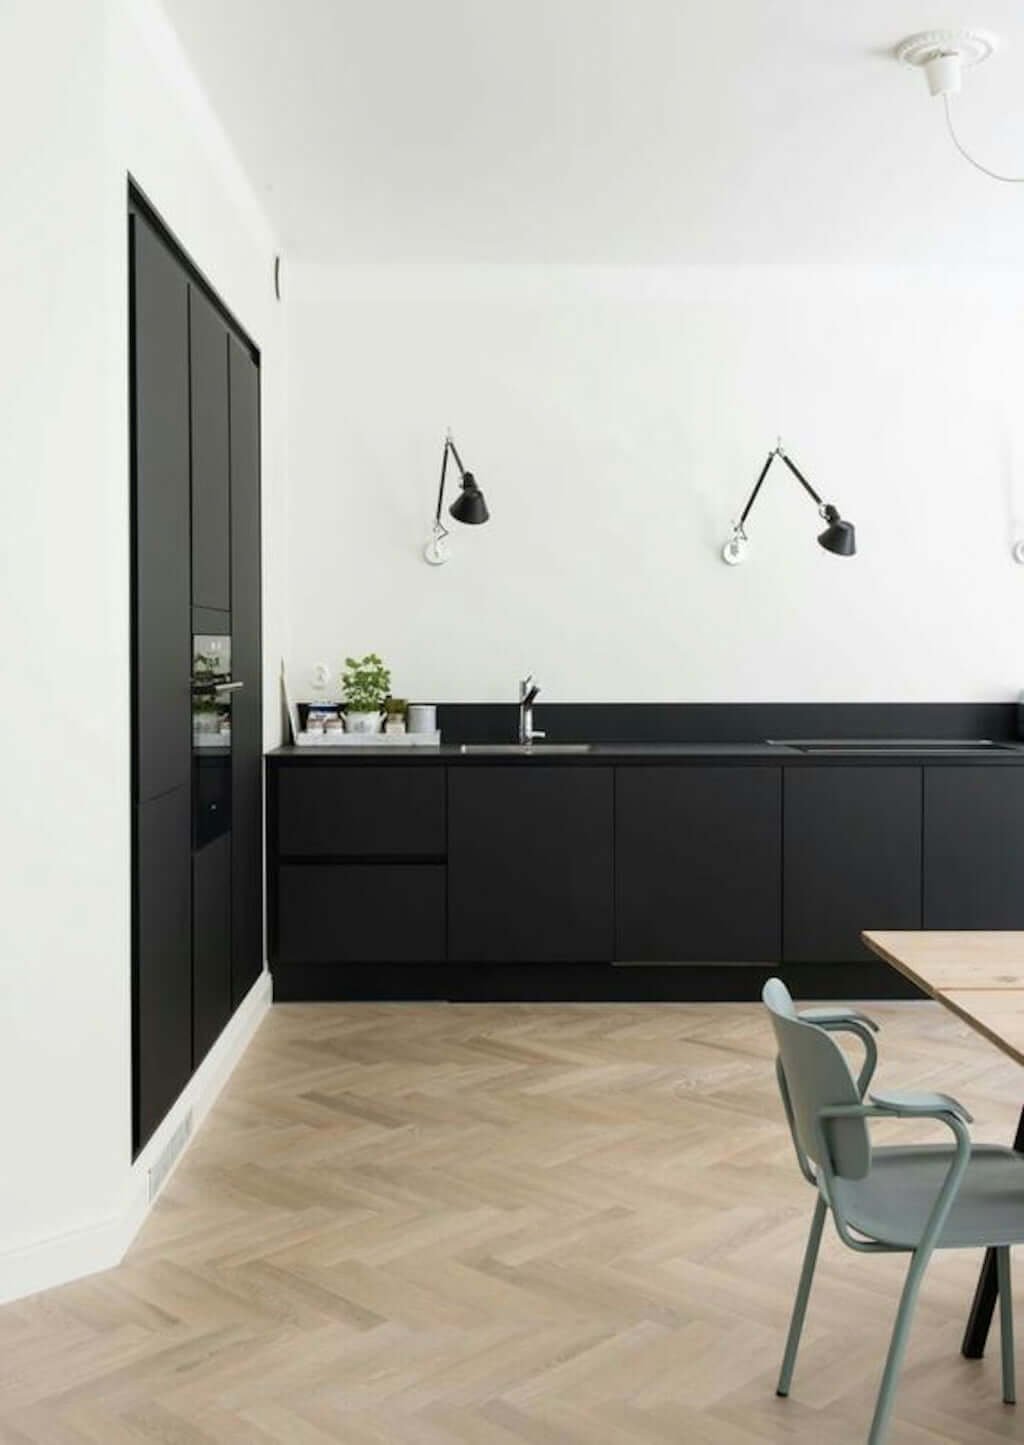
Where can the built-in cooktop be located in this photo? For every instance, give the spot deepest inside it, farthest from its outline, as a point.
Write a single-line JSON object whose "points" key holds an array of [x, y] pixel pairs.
{"points": [[893, 745]]}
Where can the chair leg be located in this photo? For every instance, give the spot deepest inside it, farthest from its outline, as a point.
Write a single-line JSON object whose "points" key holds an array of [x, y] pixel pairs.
{"points": [[1006, 1325], [803, 1294], [897, 1347]]}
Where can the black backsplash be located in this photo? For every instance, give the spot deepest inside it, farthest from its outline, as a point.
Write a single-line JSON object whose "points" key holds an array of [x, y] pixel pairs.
{"points": [[657, 722]]}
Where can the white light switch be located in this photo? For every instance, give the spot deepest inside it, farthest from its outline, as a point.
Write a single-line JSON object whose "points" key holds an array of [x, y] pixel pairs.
{"points": [[321, 674]]}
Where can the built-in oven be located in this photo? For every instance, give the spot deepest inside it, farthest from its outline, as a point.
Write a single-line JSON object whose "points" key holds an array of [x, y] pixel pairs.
{"points": [[212, 691]]}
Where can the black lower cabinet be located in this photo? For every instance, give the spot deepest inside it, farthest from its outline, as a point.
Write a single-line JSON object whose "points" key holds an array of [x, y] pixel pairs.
{"points": [[211, 944], [974, 847], [162, 986], [361, 913], [851, 860], [585, 878], [698, 864], [530, 864]]}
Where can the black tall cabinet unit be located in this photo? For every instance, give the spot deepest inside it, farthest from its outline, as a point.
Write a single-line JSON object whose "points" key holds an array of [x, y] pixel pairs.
{"points": [[197, 911], [247, 662]]}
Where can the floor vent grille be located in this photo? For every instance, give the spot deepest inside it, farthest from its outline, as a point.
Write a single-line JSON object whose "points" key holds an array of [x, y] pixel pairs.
{"points": [[168, 1158]]}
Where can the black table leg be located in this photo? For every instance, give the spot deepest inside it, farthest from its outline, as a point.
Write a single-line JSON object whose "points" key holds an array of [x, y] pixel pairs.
{"points": [[985, 1295]]}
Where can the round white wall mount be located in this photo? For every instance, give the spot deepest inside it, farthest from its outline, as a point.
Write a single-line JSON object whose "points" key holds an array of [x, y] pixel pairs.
{"points": [[942, 54], [1018, 552], [972, 46]]}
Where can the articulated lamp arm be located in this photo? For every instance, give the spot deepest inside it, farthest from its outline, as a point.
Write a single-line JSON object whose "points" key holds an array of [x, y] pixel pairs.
{"points": [[468, 507], [838, 536]]}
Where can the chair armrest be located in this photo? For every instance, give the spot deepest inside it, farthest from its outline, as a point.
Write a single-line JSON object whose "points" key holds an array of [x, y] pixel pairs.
{"points": [[920, 1105], [850, 1021], [827, 1018]]}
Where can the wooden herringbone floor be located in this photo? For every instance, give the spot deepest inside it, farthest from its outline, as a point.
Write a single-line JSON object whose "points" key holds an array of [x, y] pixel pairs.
{"points": [[490, 1225]]}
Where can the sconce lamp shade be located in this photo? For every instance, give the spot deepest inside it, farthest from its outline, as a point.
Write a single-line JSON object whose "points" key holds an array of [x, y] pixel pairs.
{"points": [[839, 536], [469, 506]]}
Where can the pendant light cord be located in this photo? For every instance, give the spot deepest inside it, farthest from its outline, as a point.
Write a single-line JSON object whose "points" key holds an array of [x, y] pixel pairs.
{"points": [[993, 175]]}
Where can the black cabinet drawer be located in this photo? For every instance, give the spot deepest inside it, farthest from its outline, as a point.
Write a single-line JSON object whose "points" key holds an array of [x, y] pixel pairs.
{"points": [[974, 847], [851, 858], [361, 913], [360, 811]]}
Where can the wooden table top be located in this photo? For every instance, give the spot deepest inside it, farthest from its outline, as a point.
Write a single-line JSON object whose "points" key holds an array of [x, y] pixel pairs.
{"points": [[978, 975], [940, 961], [996, 1013]]}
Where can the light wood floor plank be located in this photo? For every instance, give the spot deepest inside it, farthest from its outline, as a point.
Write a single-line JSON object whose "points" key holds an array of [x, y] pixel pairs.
{"points": [[506, 1225]]}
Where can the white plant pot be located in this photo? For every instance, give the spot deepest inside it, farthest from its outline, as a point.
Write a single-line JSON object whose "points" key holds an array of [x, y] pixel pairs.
{"points": [[362, 722]]}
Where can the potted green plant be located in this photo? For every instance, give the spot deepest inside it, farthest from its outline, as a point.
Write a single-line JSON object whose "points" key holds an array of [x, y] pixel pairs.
{"points": [[395, 711], [365, 685]]}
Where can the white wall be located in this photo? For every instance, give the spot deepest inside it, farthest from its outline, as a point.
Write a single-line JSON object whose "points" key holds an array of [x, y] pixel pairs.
{"points": [[89, 90], [616, 420], [63, 824], [164, 133]]}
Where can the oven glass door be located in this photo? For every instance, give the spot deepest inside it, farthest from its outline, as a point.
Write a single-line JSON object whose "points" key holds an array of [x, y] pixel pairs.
{"points": [[211, 737]]}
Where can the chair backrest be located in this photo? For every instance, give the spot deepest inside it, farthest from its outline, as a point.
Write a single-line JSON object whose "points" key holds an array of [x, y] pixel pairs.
{"points": [[815, 1075]]}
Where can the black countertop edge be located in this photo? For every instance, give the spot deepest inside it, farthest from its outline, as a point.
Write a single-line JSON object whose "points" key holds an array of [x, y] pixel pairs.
{"points": [[758, 754]]}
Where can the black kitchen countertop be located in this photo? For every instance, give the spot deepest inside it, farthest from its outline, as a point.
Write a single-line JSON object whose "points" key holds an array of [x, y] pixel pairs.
{"points": [[949, 752]]}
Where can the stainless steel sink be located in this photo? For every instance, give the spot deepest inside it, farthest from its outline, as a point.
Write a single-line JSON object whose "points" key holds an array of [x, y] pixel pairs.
{"points": [[892, 745], [526, 750]]}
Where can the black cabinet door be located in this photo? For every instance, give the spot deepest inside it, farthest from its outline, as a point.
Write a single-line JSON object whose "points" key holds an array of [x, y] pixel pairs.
{"points": [[211, 944], [361, 913], [359, 810], [530, 874], [211, 546], [161, 642], [246, 705], [974, 847], [162, 983], [851, 858], [698, 864]]}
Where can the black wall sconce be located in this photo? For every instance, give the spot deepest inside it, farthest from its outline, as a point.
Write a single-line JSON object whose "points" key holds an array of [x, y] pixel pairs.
{"points": [[838, 536], [469, 506]]}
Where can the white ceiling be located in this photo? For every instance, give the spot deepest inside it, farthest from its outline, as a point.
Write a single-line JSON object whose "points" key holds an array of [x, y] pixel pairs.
{"points": [[612, 131]]}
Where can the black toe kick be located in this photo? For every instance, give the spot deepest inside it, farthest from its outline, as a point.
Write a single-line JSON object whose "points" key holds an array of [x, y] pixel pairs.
{"points": [[582, 982]]}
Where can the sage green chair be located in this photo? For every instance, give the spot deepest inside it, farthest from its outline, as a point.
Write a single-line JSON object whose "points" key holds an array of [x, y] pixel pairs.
{"points": [[907, 1199]]}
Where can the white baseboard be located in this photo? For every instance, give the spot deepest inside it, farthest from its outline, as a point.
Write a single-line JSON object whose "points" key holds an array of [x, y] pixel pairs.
{"points": [[64, 1257]]}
